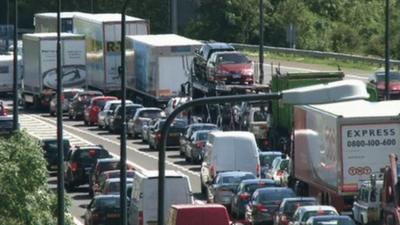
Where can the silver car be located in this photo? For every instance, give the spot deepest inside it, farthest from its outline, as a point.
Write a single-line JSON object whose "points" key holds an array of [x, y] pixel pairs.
{"points": [[141, 115], [68, 94], [225, 186], [107, 111]]}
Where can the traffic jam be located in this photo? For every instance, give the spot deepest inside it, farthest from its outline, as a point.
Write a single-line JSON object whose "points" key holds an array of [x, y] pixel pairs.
{"points": [[314, 155]]}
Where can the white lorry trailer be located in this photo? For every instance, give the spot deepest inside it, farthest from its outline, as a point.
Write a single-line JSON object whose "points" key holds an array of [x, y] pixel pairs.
{"points": [[103, 37], [157, 66], [40, 65], [47, 22], [7, 72], [339, 145]]}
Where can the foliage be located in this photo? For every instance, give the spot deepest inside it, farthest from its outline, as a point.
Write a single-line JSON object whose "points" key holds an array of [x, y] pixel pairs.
{"points": [[24, 194], [347, 26]]}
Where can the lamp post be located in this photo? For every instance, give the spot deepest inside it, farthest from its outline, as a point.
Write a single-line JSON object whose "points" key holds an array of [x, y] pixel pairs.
{"points": [[315, 94], [60, 146], [261, 47], [387, 50], [15, 66], [123, 205]]}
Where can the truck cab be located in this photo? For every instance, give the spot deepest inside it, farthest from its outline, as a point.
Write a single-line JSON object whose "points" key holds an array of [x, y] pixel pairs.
{"points": [[367, 205]]}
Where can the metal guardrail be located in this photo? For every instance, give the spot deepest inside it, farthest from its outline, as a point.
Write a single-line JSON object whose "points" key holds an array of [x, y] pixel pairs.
{"points": [[319, 54]]}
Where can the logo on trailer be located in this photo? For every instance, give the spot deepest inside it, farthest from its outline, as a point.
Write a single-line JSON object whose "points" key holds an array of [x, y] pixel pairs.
{"points": [[353, 171]]}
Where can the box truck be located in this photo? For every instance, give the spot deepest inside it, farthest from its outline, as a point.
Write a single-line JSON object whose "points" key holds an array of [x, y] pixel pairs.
{"points": [[47, 22], [40, 65], [7, 72], [157, 66], [103, 37], [339, 145]]}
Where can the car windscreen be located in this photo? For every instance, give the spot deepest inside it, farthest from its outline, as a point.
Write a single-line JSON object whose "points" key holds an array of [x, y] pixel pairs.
{"points": [[260, 116], [232, 59], [115, 186], [152, 114], [266, 160], [393, 76]]}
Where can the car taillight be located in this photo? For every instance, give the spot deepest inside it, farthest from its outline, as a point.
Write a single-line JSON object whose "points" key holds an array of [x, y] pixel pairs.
{"points": [[244, 196], [73, 166], [96, 108], [5, 112], [262, 208], [79, 99], [158, 136], [280, 173], [140, 218]]}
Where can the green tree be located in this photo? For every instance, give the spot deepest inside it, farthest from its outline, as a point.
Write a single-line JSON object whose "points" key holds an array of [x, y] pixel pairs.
{"points": [[24, 194]]}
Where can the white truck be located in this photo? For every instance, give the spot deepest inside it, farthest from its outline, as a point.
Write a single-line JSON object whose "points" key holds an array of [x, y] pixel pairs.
{"points": [[47, 22], [40, 65], [157, 66], [103, 37], [7, 72], [339, 145]]}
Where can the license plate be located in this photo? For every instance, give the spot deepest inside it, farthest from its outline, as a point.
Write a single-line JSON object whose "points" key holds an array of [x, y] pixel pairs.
{"points": [[113, 215], [173, 134], [236, 75]]}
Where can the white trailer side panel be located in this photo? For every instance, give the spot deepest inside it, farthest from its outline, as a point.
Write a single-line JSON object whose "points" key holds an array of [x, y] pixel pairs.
{"points": [[171, 76], [365, 149], [31, 61]]}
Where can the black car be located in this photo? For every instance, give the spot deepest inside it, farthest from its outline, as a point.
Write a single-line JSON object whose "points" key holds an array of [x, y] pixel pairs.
{"points": [[265, 202], [244, 192], [175, 131], [80, 102], [50, 151], [6, 125], [103, 209], [79, 163], [116, 120]]}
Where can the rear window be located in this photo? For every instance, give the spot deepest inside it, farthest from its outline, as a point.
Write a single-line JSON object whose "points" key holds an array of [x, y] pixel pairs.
{"points": [[90, 155], [307, 215], [51, 146], [260, 116], [100, 103], [206, 127], [334, 222], [236, 179], [267, 159], [152, 114], [106, 166], [251, 188], [275, 195], [202, 136], [115, 186], [290, 207], [179, 124], [69, 94], [130, 110], [102, 203], [114, 105]]}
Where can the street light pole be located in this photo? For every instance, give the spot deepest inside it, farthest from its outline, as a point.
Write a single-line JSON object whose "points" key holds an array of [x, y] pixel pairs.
{"points": [[15, 67], [60, 146], [315, 94], [123, 194], [387, 50], [261, 47]]}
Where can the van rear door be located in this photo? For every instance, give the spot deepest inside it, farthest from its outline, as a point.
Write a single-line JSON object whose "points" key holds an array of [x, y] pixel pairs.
{"points": [[245, 155], [177, 191]]}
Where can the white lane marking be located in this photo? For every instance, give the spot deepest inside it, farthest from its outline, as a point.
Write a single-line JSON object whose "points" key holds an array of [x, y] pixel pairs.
{"points": [[80, 140], [117, 143], [311, 70]]}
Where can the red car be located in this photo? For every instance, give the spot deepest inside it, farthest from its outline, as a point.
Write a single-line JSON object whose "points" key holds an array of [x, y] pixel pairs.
{"points": [[210, 214], [95, 106], [230, 68], [377, 80]]}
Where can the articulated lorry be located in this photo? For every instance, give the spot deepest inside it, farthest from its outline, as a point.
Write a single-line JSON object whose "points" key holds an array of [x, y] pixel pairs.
{"points": [[339, 145], [46, 22], [40, 66], [158, 66], [7, 72], [103, 37], [391, 192]]}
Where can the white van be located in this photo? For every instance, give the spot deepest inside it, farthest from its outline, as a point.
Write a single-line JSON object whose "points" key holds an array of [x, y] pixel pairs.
{"points": [[228, 151], [143, 205]]}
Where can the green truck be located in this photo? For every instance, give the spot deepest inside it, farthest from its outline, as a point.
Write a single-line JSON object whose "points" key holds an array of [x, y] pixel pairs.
{"points": [[282, 114]]}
